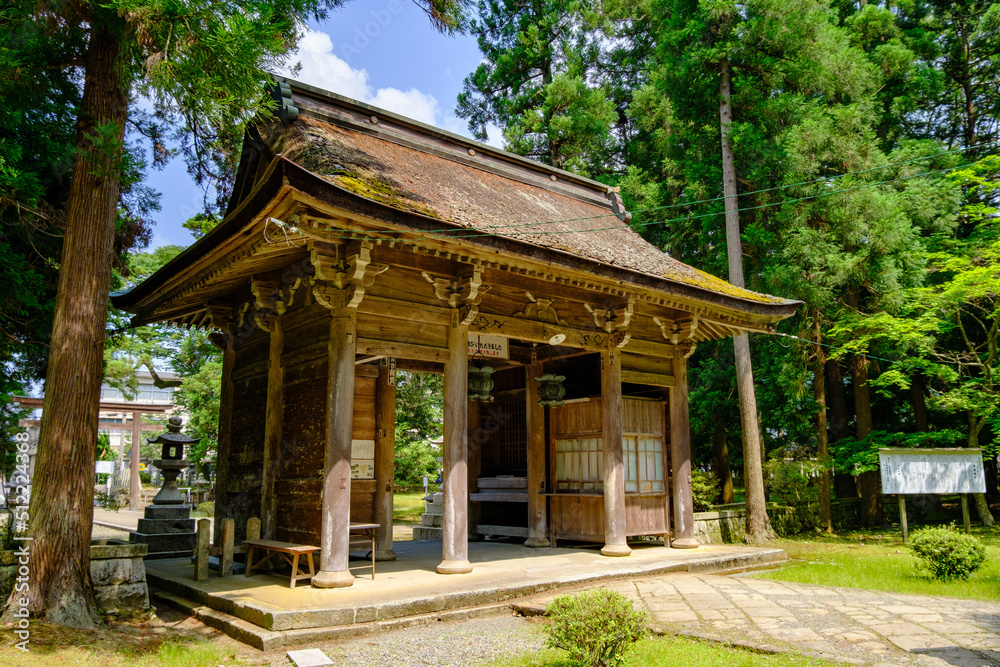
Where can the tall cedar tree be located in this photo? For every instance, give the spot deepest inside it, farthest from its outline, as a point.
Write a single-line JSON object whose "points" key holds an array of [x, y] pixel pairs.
{"points": [[203, 64], [540, 61]]}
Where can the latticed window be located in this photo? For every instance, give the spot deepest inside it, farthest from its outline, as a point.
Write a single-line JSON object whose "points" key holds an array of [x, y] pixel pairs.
{"points": [[643, 463], [580, 464]]}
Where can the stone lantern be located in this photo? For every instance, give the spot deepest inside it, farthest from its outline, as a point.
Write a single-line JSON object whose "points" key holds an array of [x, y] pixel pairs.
{"points": [[172, 462], [167, 527]]}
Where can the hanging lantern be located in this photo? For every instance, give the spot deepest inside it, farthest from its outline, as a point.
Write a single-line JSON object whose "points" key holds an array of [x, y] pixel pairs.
{"points": [[480, 383], [550, 390]]}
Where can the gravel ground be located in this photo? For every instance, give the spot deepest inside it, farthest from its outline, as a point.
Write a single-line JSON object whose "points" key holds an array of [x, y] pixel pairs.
{"points": [[446, 644]]}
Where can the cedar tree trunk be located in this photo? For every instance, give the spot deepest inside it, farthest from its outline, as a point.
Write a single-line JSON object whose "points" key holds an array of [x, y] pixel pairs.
{"points": [[976, 424], [758, 527], [870, 483], [720, 461], [822, 450], [844, 485], [61, 510]]}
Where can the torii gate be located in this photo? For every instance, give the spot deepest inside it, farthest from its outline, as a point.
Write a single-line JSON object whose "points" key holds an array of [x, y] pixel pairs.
{"points": [[136, 426]]}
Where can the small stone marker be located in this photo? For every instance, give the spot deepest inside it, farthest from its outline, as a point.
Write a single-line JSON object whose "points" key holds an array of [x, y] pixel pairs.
{"points": [[310, 657]]}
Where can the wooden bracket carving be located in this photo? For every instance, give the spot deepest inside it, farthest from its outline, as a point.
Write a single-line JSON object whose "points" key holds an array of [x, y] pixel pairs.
{"points": [[541, 310], [342, 282], [612, 319], [680, 330], [220, 317], [466, 291]]}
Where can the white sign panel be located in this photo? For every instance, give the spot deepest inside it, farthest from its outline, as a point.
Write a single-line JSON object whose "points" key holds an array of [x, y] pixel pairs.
{"points": [[362, 449], [491, 347], [932, 471], [104, 467]]}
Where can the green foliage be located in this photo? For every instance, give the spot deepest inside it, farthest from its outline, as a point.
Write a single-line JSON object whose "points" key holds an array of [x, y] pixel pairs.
{"points": [[704, 489], [419, 408], [946, 553], [596, 627], [206, 508], [113, 501], [792, 482], [199, 396]]}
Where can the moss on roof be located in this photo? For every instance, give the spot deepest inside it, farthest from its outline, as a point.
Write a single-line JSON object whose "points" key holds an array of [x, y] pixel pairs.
{"points": [[435, 186]]}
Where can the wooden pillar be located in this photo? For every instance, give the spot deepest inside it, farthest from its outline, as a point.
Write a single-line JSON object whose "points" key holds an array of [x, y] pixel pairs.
{"points": [[538, 525], [385, 457], [336, 504], [455, 531], [224, 447], [133, 481], [272, 431], [680, 455], [614, 462]]}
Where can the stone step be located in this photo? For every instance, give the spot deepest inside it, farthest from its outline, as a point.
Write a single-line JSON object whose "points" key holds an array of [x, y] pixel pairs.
{"points": [[431, 520], [269, 640], [426, 533]]}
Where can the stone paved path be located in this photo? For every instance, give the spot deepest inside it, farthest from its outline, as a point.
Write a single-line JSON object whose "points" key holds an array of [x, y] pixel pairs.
{"points": [[850, 625]]}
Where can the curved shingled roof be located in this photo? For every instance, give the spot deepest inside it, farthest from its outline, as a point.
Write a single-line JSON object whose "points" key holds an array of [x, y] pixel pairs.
{"points": [[423, 181]]}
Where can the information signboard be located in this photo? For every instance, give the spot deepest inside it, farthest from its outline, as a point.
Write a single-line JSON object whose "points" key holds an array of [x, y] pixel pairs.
{"points": [[908, 471], [491, 347]]}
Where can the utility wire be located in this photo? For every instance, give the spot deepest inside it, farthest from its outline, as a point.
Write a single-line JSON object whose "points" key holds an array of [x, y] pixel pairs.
{"points": [[474, 233]]}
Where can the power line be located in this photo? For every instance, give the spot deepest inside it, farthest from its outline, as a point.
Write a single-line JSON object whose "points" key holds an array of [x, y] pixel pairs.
{"points": [[474, 233]]}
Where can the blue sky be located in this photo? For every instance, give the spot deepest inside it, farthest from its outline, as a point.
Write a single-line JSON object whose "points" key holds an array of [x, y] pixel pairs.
{"points": [[383, 52]]}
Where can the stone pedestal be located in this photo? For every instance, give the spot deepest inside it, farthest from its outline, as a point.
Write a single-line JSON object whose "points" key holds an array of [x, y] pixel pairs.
{"points": [[430, 522], [167, 530]]}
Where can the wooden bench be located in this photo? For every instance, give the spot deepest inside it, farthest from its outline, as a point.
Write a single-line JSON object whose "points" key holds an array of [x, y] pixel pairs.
{"points": [[287, 550]]}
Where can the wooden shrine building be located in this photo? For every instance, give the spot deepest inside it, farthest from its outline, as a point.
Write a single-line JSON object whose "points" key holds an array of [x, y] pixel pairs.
{"points": [[357, 243]]}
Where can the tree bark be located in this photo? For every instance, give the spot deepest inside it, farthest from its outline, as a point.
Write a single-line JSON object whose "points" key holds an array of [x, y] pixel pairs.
{"points": [[844, 485], [919, 404], [720, 461], [62, 500], [870, 483], [976, 425], [758, 527], [822, 450]]}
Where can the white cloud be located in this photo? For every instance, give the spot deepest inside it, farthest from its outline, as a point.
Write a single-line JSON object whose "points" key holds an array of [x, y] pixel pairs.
{"points": [[412, 104], [323, 68]]}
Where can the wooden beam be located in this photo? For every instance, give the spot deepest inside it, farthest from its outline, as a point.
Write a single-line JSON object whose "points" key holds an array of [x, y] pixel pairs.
{"points": [[403, 350], [455, 522], [614, 459], [652, 379], [420, 366], [649, 348], [537, 332]]}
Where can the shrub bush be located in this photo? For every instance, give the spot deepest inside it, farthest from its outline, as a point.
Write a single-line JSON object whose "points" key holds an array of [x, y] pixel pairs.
{"points": [[206, 508], [704, 489], [596, 627], [946, 553]]}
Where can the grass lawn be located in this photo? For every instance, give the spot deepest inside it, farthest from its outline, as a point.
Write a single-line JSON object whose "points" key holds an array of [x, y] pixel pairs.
{"points": [[880, 561], [407, 507], [659, 651]]}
